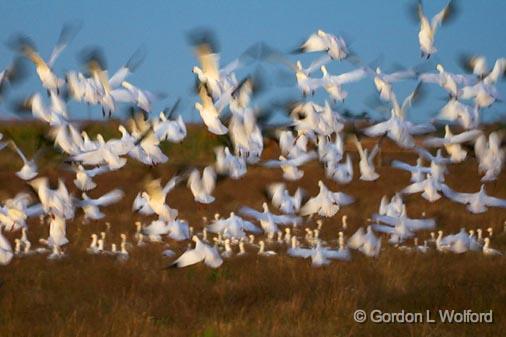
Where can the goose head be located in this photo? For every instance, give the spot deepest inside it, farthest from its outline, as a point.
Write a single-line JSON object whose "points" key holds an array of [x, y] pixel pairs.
{"points": [[439, 67], [195, 239], [265, 207]]}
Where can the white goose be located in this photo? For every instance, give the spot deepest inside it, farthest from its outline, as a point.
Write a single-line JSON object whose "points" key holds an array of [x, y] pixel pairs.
{"points": [[320, 41], [290, 167], [269, 221], [429, 188], [210, 112], [366, 164], [91, 206], [202, 252], [418, 171], [233, 227], [29, 169], [490, 251], [227, 163], [476, 202], [155, 197], [428, 28], [452, 143], [326, 203], [83, 180], [490, 155], [202, 187], [281, 198]]}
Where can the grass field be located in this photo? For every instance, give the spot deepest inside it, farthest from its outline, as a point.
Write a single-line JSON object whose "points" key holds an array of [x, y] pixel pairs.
{"points": [[90, 295]]}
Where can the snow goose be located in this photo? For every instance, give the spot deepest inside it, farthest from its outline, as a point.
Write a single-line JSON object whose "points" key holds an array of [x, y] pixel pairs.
{"points": [[268, 220], [83, 180], [210, 112], [429, 188], [437, 163], [490, 251], [418, 171], [91, 206], [281, 198], [383, 81], [155, 197], [202, 187], [29, 169], [263, 252], [290, 166], [397, 128], [401, 228], [320, 41], [166, 127], [366, 164], [476, 202], [452, 143], [58, 202], [428, 28], [326, 203], [490, 155], [48, 78], [227, 163], [233, 227], [202, 252], [333, 83]]}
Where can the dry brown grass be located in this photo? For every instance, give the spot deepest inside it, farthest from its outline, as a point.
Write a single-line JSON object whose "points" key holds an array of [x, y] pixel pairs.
{"points": [[84, 295]]}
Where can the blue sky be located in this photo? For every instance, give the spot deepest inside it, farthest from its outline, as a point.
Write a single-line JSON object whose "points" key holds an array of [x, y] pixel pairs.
{"points": [[373, 28]]}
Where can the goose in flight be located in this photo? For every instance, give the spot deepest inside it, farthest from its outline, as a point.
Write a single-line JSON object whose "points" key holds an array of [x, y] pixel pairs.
{"points": [[383, 82], [11, 75], [290, 167], [485, 92], [438, 163], [393, 208], [464, 115], [326, 203], [281, 198], [227, 163], [233, 227], [155, 196], [452, 143], [365, 242], [44, 70], [202, 187], [429, 188], [320, 41], [104, 153], [29, 169], [83, 180], [401, 228], [57, 202], [428, 28], [366, 164], [201, 253], [342, 172], [333, 83], [210, 112], [475, 202], [446, 80], [320, 256], [168, 127], [91, 206], [490, 155], [417, 171], [397, 128], [268, 220]]}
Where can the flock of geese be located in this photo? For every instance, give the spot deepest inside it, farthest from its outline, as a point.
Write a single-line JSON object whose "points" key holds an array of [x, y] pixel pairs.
{"points": [[315, 133]]}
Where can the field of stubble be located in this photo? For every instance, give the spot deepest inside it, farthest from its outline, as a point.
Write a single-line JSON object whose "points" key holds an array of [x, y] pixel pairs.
{"points": [[90, 295]]}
